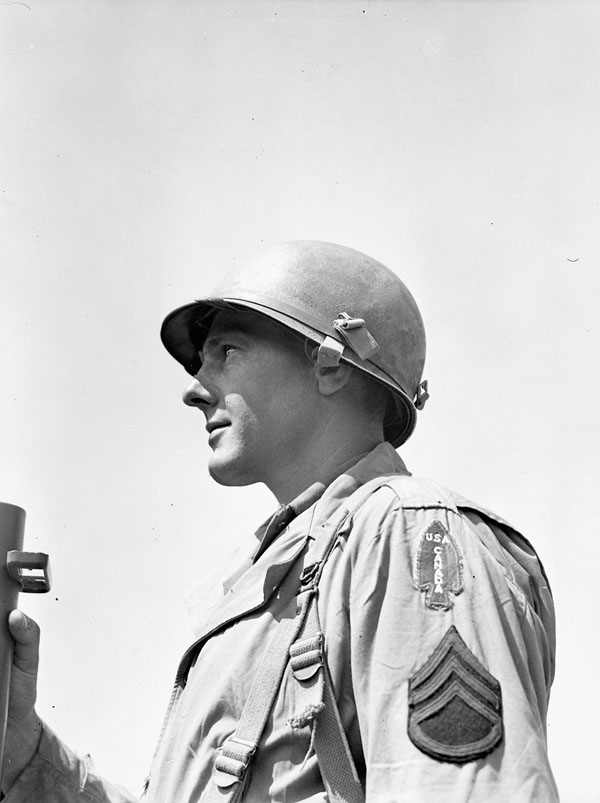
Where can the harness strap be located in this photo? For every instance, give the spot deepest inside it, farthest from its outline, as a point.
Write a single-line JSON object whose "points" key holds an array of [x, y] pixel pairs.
{"points": [[306, 657], [230, 773], [318, 708], [338, 769]]}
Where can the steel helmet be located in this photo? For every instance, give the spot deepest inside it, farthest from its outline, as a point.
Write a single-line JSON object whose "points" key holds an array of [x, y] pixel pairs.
{"points": [[353, 308]]}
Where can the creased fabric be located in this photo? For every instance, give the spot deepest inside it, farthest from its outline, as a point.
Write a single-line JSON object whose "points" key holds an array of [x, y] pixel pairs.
{"points": [[380, 629]]}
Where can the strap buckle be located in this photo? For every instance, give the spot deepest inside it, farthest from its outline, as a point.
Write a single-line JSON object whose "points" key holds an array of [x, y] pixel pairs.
{"points": [[422, 395], [308, 576], [330, 353], [233, 761], [306, 656], [30, 569], [355, 333]]}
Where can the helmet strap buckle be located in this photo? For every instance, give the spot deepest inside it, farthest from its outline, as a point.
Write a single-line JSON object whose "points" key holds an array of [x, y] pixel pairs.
{"points": [[422, 394], [356, 335], [330, 353]]}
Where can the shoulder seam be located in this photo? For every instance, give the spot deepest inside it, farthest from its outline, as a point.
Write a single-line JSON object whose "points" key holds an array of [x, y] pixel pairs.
{"points": [[424, 503]]}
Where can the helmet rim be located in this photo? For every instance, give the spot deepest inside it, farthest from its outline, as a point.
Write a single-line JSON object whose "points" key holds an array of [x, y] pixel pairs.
{"points": [[177, 339]]}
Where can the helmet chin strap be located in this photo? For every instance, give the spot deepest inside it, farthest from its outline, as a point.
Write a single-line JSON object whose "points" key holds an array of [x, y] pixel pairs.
{"points": [[422, 394], [330, 353], [356, 335]]}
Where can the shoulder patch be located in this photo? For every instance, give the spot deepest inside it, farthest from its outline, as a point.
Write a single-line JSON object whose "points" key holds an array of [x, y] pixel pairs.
{"points": [[454, 704], [437, 567]]}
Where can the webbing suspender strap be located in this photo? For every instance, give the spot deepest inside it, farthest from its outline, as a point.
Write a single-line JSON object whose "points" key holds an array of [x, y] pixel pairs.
{"points": [[297, 639], [317, 699], [230, 772], [318, 707]]}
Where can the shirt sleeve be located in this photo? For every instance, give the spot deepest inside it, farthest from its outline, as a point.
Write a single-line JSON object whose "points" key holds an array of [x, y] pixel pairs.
{"points": [[449, 661], [58, 775]]}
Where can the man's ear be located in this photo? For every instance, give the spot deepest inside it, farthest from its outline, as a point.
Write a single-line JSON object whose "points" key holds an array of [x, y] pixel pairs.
{"points": [[330, 379]]}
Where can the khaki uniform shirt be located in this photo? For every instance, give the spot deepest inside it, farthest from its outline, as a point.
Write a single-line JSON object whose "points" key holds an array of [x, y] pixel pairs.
{"points": [[422, 582]]}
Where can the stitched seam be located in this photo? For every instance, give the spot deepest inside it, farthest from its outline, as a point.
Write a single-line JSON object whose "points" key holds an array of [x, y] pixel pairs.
{"points": [[409, 504]]}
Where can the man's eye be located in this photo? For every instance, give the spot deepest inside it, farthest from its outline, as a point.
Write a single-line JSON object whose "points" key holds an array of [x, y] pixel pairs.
{"points": [[217, 351]]}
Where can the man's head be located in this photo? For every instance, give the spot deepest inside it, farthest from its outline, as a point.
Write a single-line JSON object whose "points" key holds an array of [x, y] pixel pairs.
{"points": [[354, 309], [273, 414]]}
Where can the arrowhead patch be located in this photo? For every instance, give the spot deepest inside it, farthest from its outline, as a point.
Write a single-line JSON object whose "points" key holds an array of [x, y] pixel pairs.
{"points": [[454, 704], [438, 568]]}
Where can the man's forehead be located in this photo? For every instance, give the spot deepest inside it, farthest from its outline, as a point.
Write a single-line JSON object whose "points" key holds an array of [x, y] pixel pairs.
{"points": [[255, 326], [242, 322]]}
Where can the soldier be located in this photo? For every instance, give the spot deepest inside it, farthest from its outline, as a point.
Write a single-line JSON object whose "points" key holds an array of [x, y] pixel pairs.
{"points": [[382, 638]]}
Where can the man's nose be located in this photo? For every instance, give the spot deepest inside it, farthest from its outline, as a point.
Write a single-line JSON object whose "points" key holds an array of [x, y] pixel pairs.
{"points": [[197, 395]]}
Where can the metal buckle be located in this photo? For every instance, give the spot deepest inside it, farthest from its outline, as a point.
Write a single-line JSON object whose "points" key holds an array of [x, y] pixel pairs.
{"points": [[330, 353], [306, 656], [309, 574], [30, 569], [357, 336], [233, 761], [422, 395]]}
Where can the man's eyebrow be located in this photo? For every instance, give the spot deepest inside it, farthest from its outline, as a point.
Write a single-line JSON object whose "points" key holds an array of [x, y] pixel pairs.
{"points": [[228, 330]]}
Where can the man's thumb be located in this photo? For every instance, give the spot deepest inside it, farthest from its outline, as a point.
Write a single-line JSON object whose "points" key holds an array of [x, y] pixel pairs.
{"points": [[26, 634]]}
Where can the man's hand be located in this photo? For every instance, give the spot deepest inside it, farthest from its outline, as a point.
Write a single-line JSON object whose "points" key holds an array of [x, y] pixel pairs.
{"points": [[24, 726]]}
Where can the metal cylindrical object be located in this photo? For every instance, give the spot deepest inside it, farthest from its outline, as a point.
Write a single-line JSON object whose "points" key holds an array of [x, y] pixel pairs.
{"points": [[12, 529], [19, 571]]}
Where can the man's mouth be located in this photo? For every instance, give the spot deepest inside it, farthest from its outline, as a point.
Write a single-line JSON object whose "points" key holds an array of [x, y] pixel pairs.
{"points": [[214, 428], [212, 425]]}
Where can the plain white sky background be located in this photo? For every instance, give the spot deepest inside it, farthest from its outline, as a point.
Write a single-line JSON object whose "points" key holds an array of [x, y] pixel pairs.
{"points": [[146, 146]]}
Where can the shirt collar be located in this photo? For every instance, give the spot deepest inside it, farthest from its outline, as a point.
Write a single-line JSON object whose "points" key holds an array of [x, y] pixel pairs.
{"points": [[382, 460], [311, 507], [284, 514]]}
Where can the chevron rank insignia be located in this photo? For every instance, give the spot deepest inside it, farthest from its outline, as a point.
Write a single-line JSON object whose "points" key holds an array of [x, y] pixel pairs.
{"points": [[454, 704], [437, 568]]}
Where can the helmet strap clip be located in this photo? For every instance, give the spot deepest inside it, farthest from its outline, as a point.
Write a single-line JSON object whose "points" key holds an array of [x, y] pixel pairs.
{"points": [[356, 335], [330, 353], [422, 394]]}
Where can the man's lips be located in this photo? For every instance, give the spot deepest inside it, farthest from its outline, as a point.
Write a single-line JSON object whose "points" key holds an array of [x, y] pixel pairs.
{"points": [[211, 426]]}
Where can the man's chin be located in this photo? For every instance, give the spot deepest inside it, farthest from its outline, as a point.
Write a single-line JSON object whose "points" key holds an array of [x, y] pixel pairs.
{"points": [[226, 474]]}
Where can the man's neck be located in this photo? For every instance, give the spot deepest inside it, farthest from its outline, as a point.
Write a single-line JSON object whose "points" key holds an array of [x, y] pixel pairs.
{"points": [[325, 467]]}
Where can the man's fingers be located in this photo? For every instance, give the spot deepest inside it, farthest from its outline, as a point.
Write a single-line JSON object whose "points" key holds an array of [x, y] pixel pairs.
{"points": [[23, 629], [26, 634]]}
